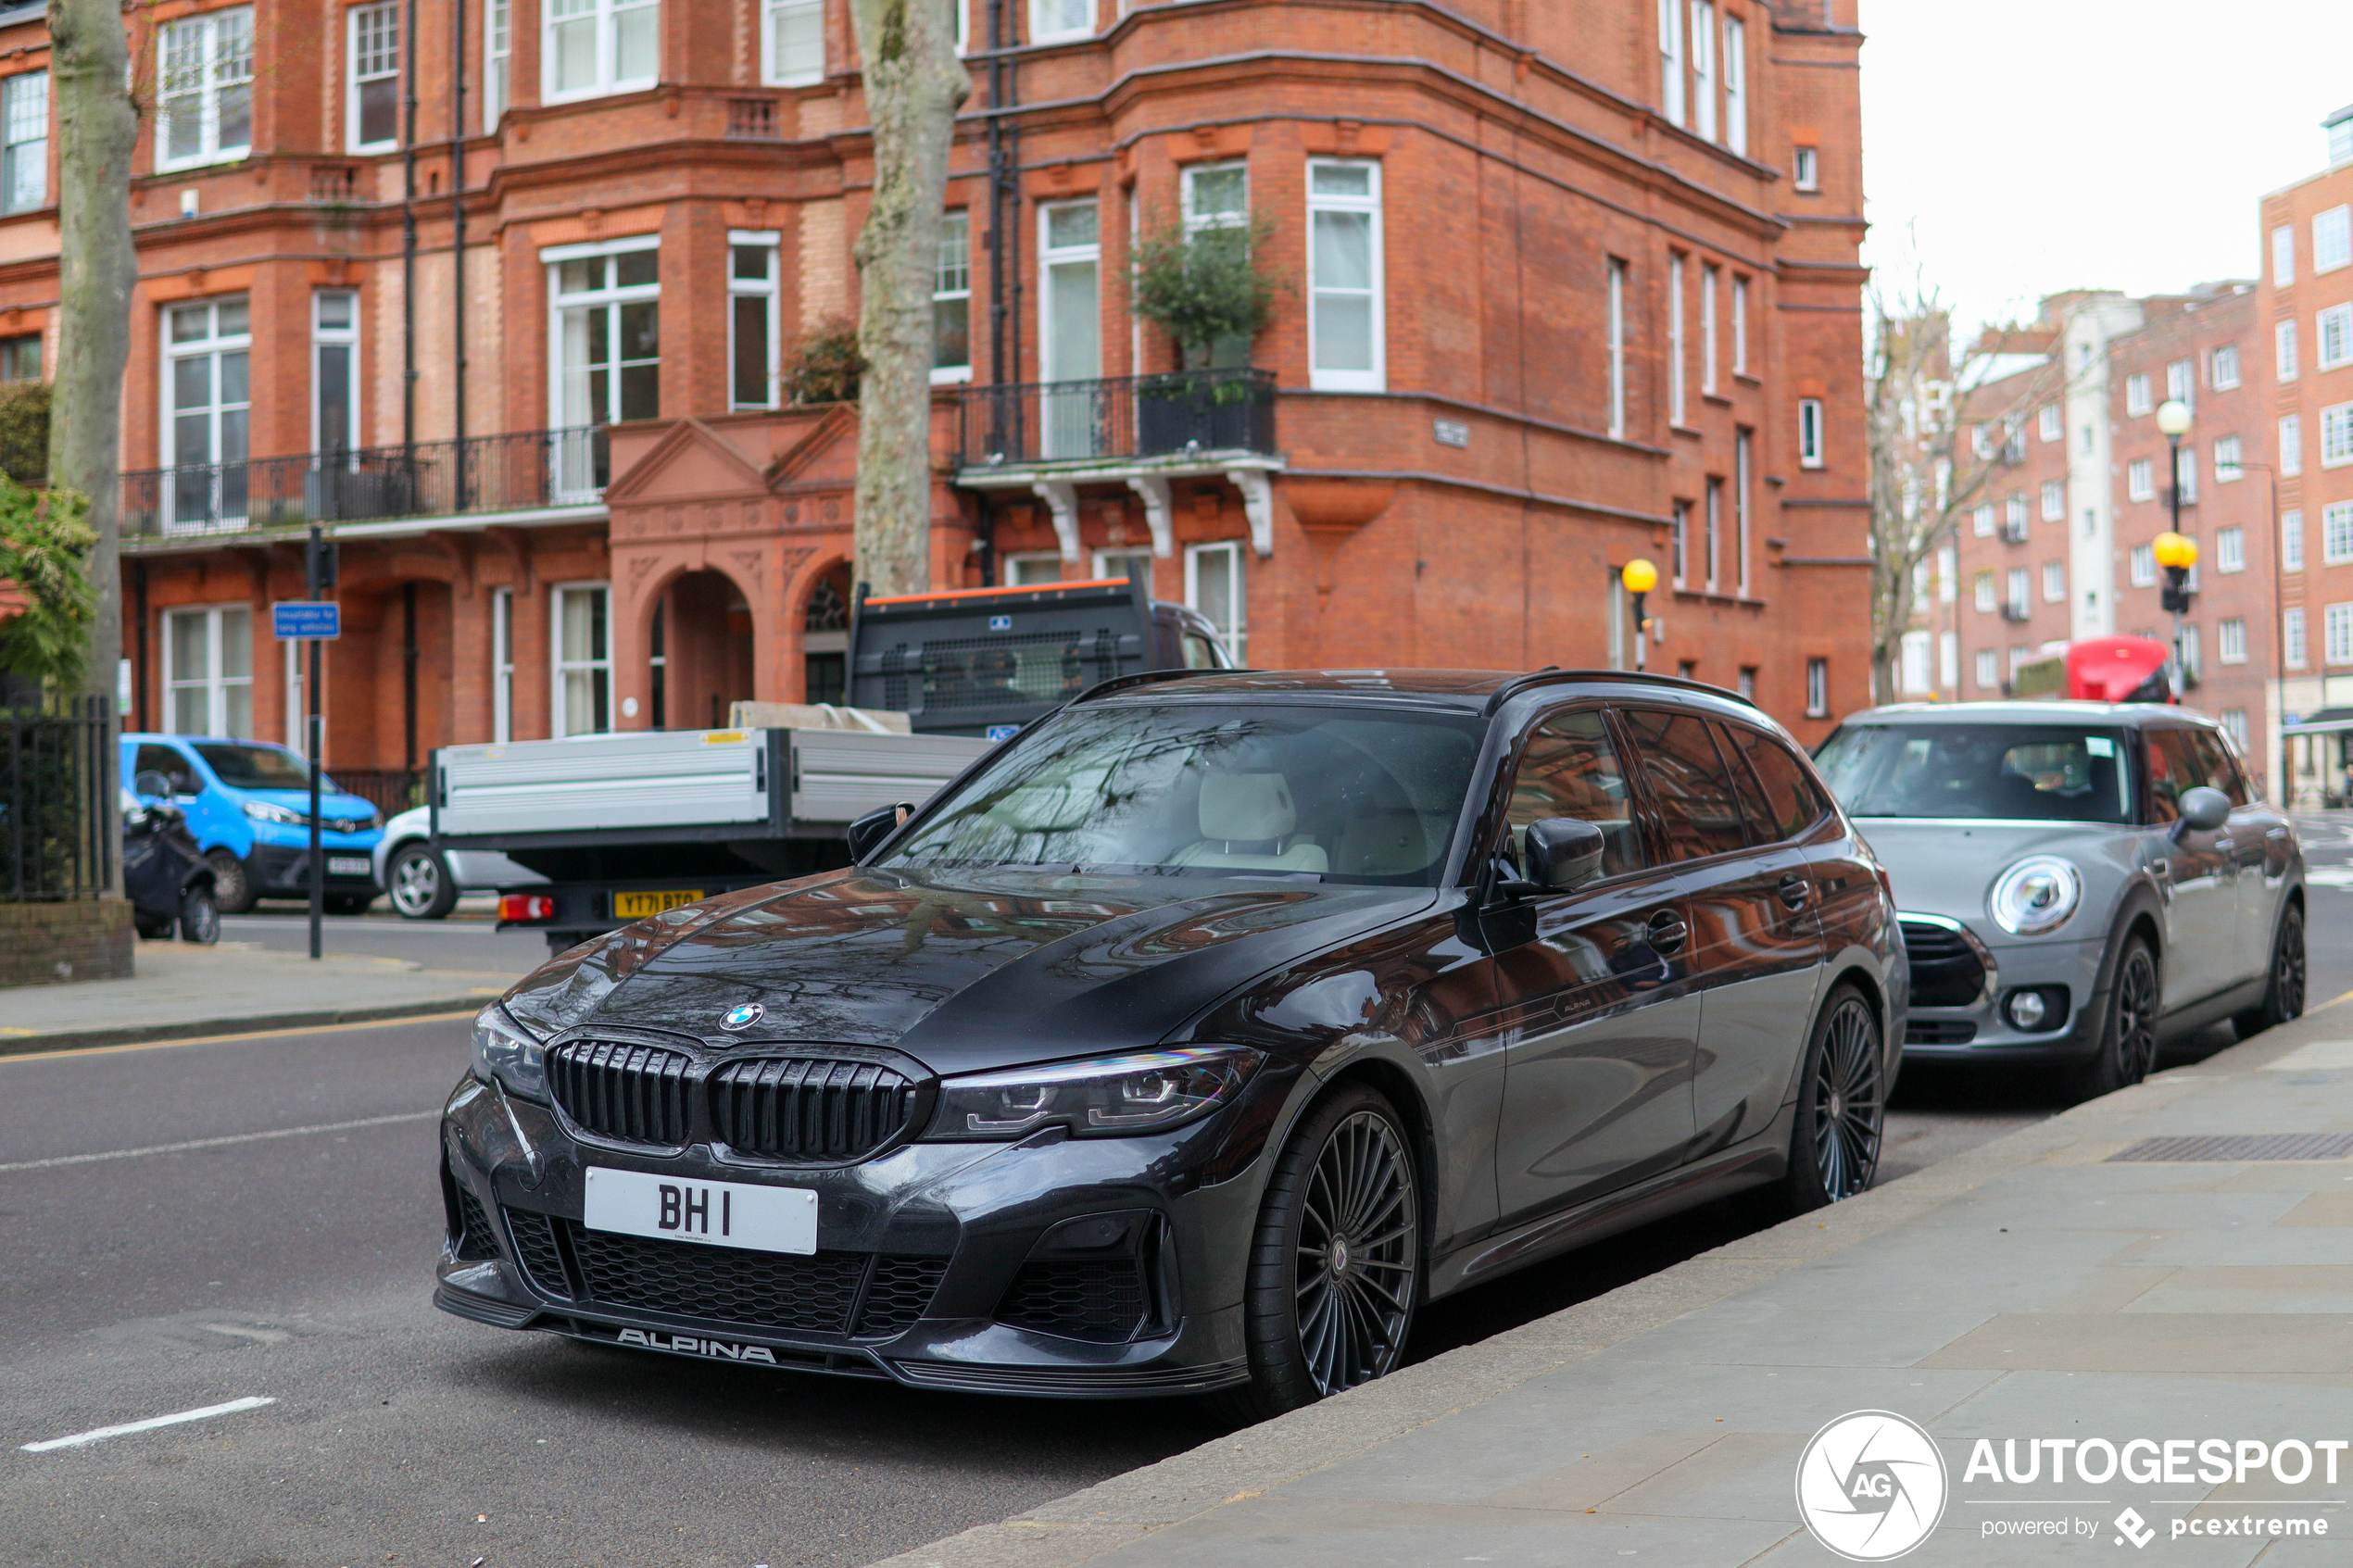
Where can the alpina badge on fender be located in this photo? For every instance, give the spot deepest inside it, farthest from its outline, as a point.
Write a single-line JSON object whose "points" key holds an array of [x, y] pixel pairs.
{"points": [[743, 1016]]}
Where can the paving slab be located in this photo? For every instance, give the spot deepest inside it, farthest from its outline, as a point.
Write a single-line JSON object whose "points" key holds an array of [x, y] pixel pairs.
{"points": [[182, 989], [2028, 1289]]}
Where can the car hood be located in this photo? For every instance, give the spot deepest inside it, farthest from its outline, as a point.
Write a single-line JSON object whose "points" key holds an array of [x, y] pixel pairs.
{"points": [[964, 971], [1946, 867], [331, 803]]}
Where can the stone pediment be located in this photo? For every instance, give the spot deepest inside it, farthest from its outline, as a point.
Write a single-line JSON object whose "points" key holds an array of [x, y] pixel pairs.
{"points": [[692, 462], [825, 455]]}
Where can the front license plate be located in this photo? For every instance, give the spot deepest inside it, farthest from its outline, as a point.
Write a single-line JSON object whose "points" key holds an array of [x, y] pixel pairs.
{"points": [[722, 1214], [350, 865], [636, 906]]}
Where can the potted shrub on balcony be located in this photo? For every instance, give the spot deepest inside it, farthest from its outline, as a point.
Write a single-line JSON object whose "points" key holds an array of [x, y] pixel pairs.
{"points": [[1206, 289]]}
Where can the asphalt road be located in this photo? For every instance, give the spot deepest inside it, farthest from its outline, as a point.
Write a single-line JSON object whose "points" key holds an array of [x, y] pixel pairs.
{"points": [[154, 1280]]}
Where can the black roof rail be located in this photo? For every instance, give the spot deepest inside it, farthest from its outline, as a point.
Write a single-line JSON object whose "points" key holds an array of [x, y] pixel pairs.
{"points": [[1142, 678], [1553, 675]]}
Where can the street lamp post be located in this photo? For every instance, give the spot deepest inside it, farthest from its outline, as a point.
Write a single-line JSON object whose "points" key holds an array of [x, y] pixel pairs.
{"points": [[1640, 577], [2175, 551]]}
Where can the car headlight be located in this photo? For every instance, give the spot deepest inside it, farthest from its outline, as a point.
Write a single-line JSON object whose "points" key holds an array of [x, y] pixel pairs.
{"points": [[1109, 1097], [2035, 895], [264, 811], [505, 1050]]}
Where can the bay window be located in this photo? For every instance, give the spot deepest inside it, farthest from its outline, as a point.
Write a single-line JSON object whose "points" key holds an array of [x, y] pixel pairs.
{"points": [[598, 46], [203, 94]]}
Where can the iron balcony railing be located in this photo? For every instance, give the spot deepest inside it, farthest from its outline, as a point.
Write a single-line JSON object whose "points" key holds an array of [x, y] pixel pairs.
{"points": [[515, 471], [1122, 417]]}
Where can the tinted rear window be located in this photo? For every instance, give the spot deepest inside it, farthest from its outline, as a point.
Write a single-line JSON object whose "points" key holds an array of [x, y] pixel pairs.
{"points": [[1692, 788]]}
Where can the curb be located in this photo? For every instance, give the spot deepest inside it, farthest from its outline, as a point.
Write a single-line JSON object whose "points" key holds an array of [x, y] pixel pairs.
{"points": [[1102, 1518], [197, 1028]]}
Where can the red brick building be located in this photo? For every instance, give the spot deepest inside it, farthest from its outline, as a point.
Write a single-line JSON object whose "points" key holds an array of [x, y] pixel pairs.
{"points": [[1566, 284]]}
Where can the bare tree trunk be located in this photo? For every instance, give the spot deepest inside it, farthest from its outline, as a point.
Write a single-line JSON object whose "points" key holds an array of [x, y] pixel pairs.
{"points": [[913, 83], [97, 126]]}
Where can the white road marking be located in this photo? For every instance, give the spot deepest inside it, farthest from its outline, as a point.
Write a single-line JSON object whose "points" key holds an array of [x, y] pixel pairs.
{"points": [[217, 1143], [101, 1434], [266, 1336]]}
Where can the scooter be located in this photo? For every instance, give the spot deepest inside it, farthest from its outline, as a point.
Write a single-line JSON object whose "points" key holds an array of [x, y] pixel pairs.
{"points": [[164, 871]]}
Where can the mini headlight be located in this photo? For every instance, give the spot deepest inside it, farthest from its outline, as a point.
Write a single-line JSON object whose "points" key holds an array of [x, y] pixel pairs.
{"points": [[1108, 1097], [505, 1050], [265, 811], [2035, 895]]}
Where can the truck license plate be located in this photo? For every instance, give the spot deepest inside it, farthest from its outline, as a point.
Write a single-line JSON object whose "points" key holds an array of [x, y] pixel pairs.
{"points": [[636, 906], [350, 865], [720, 1213]]}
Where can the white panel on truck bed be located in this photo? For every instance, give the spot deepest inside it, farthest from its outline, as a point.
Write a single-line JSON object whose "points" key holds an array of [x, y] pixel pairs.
{"points": [[839, 776], [670, 778]]}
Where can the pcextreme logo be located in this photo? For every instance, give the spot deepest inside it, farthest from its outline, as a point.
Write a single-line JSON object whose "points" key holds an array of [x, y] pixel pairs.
{"points": [[1870, 1485]]}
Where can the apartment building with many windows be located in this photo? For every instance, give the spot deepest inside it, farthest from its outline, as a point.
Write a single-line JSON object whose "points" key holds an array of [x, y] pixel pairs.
{"points": [[517, 305]]}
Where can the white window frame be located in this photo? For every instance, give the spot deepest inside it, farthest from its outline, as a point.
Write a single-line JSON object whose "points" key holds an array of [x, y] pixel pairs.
{"points": [[2293, 649], [1984, 593], [2230, 549], [1670, 58], [1675, 344], [1806, 167], [1375, 379], [2140, 480], [2054, 501], [2291, 539], [2332, 239], [1703, 38], [386, 12], [2336, 534], [2185, 475], [1736, 85], [2336, 436], [2136, 394], [1106, 564], [294, 675], [168, 436], [2283, 254], [2284, 349], [2019, 590], [2223, 367], [1714, 542], [559, 666], [1743, 457], [607, 16], [215, 686], [323, 337], [498, 60], [1616, 349], [1740, 325], [2230, 460], [2051, 425], [953, 219], [1711, 278], [1199, 557], [1041, 32], [2193, 651], [553, 257], [773, 14], [2181, 382], [1981, 519], [2332, 337], [1011, 569], [2054, 583], [2337, 631], [1198, 221], [212, 29], [2291, 445], [24, 131], [1810, 442], [1050, 256], [502, 665], [1678, 545], [1818, 688], [1989, 670], [2142, 563], [2230, 642], [769, 288]]}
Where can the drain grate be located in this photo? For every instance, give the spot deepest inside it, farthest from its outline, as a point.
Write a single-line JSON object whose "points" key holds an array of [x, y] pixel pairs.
{"points": [[2243, 1146]]}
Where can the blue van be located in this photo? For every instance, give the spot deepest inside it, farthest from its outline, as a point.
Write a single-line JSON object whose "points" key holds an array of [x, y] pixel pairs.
{"points": [[248, 805]]}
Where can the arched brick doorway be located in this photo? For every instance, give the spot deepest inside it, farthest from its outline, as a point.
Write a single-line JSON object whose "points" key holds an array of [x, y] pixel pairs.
{"points": [[701, 651]]}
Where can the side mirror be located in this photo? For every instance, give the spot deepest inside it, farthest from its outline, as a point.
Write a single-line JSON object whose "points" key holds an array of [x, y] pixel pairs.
{"points": [[868, 832], [1563, 853], [151, 784], [2204, 809]]}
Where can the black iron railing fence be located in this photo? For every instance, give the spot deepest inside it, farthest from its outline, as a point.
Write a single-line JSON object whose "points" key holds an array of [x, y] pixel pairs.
{"points": [[389, 790], [514, 472], [53, 812], [1156, 416]]}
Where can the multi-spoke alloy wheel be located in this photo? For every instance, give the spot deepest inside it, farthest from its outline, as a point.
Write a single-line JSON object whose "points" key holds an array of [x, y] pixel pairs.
{"points": [[2136, 1015], [1849, 1108], [1356, 1254], [1336, 1263]]}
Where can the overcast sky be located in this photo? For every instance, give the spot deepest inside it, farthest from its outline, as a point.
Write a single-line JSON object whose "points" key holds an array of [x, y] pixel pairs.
{"points": [[2014, 148]]}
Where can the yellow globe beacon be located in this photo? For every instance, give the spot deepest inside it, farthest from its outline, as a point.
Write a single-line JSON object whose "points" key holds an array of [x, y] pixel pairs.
{"points": [[1639, 576], [2175, 549]]}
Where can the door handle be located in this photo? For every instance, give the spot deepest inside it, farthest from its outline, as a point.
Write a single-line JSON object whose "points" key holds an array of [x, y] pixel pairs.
{"points": [[1794, 890], [1667, 930]]}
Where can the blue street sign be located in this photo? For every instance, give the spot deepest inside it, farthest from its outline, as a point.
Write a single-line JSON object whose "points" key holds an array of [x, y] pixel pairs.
{"points": [[1003, 731], [1000, 623], [300, 618]]}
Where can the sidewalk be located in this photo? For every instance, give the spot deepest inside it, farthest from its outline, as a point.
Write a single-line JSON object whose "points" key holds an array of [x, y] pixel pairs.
{"points": [[182, 989], [2035, 1287]]}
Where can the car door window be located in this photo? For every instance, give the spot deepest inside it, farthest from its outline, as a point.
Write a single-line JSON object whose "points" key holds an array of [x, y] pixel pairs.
{"points": [[167, 760], [2172, 770], [1690, 785], [1792, 802], [1570, 769], [1754, 809], [2213, 764]]}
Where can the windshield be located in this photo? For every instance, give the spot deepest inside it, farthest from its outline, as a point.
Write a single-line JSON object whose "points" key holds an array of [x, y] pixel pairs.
{"points": [[1216, 790], [2029, 772], [258, 767]]}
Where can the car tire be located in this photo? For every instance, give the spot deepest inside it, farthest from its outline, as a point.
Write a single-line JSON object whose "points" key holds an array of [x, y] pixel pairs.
{"points": [[1335, 1268], [348, 903], [417, 880], [1841, 1120], [199, 919], [2127, 1034], [231, 892], [2284, 987]]}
